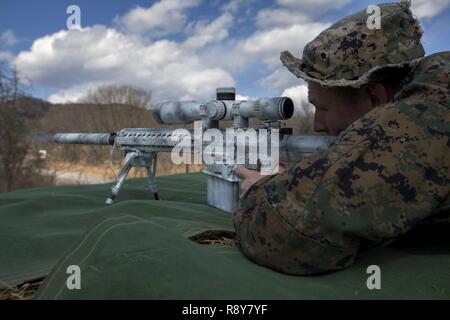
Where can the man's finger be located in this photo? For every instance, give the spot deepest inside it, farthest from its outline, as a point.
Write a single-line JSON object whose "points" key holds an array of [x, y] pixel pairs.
{"points": [[242, 172]]}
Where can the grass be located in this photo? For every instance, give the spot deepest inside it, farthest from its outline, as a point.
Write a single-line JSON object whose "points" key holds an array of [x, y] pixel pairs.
{"points": [[23, 291]]}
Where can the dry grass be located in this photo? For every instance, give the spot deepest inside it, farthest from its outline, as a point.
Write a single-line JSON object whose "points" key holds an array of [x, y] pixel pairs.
{"points": [[23, 291], [105, 172], [215, 237]]}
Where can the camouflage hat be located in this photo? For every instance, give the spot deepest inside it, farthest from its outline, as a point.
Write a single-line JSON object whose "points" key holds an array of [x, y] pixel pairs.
{"points": [[348, 53]]}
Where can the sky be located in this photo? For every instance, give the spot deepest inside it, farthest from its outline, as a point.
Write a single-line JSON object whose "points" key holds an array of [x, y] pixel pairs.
{"points": [[178, 49]]}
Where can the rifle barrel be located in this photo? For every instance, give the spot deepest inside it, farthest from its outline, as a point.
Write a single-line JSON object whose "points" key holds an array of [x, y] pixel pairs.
{"points": [[84, 138]]}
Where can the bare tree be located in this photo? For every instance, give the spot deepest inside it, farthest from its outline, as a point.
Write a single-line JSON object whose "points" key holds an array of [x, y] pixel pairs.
{"points": [[119, 94], [20, 163]]}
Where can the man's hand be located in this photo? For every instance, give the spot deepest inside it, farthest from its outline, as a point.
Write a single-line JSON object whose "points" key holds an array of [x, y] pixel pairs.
{"points": [[250, 177]]}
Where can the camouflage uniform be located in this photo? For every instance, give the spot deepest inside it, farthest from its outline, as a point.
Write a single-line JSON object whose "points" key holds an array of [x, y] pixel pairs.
{"points": [[386, 173]]}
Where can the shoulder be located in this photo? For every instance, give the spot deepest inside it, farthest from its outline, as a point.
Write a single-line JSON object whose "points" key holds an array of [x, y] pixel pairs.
{"points": [[439, 59], [429, 81]]}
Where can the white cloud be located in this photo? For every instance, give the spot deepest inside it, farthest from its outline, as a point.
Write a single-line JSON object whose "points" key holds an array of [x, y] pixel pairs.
{"points": [[299, 95], [8, 39], [246, 98], [6, 56], [233, 6], [205, 33], [428, 8], [162, 18], [313, 6], [268, 18], [260, 54], [279, 79], [74, 61], [289, 26], [74, 93], [268, 44], [227, 55], [291, 12]]}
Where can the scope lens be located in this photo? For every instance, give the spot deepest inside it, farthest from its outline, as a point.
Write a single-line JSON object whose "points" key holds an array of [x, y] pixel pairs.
{"points": [[287, 108]]}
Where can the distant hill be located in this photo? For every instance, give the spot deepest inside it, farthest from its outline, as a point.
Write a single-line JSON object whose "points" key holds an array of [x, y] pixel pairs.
{"points": [[29, 107], [81, 117]]}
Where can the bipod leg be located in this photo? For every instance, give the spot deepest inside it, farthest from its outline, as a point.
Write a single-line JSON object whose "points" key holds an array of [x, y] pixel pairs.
{"points": [[151, 172], [120, 180]]}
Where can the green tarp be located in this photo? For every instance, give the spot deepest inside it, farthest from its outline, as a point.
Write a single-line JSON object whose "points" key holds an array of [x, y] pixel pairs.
{"points": [[140, 248]]}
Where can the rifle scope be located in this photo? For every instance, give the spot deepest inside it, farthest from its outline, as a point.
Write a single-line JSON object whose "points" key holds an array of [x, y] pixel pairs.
{"points": [[182, 112]]}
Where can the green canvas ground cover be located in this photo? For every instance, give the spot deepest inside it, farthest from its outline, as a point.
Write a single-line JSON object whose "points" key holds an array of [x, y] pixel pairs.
{"points": [[140, 248]]}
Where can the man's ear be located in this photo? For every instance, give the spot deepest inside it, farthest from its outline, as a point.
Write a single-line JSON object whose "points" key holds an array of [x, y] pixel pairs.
{"points": [[377, 93]]}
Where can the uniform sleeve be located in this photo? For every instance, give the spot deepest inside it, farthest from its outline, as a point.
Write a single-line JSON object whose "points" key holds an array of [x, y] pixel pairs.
{"points": [[386, 173]]}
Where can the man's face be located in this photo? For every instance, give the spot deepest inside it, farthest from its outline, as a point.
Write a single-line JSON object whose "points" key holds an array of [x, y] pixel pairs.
{"points": [[336, 109]]}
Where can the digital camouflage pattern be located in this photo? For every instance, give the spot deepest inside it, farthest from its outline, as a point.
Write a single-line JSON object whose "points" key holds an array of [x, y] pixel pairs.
{"points": [[348, 53], [385, 174]]}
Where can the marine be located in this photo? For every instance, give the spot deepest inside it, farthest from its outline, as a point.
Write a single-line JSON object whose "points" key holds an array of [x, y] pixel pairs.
{"points": [[388, 171]]}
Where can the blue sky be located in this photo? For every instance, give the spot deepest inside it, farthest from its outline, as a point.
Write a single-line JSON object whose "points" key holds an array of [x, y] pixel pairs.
{"points": [[180, 48]]}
